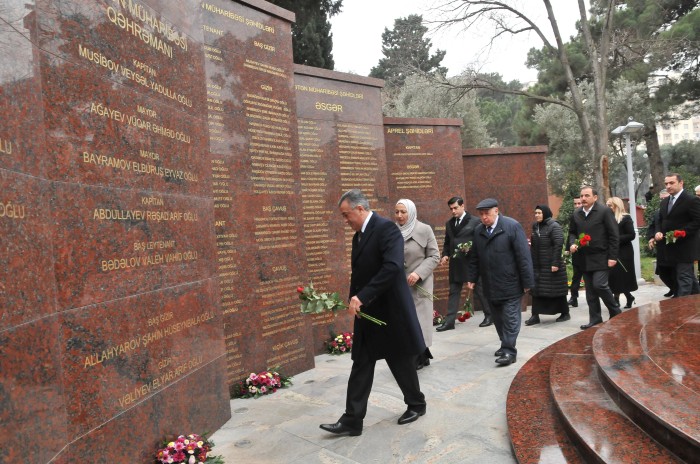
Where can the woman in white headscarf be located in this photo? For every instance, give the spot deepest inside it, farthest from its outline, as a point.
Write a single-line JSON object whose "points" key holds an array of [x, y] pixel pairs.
{"points": [[421, 255]]}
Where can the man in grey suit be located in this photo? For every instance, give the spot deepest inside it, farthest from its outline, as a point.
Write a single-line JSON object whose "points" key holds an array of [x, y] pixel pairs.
{"points": [[459, 229]]}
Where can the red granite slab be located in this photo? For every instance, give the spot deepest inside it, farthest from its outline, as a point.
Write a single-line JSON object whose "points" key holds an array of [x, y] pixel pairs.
{"points": [[520, 188], [114, 359], [601, 429], [535, 431], [116, 243], [114, 42], [22, 145], [648, 371], [104, 134], [27, 292], [32, 406], [197, 402]]}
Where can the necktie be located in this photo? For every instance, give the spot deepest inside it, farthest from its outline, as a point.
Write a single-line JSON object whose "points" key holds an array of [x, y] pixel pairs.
{"points": [[489, 230], [670, 203], [359, 237], [456, 222]]}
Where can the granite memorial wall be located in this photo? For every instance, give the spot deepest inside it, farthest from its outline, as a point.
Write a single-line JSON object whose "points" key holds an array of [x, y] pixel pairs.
{"points": [[167, 179]]}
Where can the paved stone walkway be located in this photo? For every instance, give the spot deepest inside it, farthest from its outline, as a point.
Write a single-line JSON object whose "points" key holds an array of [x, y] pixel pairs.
{"points": [[465, 391]]}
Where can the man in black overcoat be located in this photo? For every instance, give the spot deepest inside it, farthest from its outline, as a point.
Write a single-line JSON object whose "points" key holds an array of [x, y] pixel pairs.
{"points": [[666, 272], [680, 211], [459, 229], [378, 288], [598, 255]]}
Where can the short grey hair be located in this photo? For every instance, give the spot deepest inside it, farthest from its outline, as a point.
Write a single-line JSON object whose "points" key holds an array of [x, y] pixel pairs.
{"points": [[355, 197]]}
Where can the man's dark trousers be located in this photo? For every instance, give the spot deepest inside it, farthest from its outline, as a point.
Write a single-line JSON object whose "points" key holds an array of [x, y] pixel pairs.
{"points": [[597, 287]]}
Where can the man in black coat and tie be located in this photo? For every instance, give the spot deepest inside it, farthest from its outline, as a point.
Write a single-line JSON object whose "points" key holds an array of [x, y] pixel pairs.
{"points": [[459, 229], [597, 255], [378, 288], [680, 212]]}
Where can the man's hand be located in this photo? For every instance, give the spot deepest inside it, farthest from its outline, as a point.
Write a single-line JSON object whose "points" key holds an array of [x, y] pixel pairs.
{"points": [[573, 248], [652, 243], [555, 268], [412, 279], [355, 305], [612, 262], [444, 260], [471, 285], [659, 236]]}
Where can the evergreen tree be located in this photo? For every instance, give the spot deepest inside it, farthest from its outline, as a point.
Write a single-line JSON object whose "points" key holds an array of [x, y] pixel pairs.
{"points": [[312, 40], [406, 51]]}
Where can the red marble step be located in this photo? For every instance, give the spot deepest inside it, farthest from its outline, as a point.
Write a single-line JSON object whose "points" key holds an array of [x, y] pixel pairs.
{"points": [[649, 363], [602, 432], [536, 434]]}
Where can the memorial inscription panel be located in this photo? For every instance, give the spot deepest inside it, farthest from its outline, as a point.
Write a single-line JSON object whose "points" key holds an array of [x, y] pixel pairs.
{"points": [[255, 171], [425, 165], [341, 147]]}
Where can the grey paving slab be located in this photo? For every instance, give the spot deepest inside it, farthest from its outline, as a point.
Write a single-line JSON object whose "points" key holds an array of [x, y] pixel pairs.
{"points": [[465, 390]]}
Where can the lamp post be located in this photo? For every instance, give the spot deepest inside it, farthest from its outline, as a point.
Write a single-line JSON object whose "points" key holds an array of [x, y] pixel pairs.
{"points": [[632, 127]]}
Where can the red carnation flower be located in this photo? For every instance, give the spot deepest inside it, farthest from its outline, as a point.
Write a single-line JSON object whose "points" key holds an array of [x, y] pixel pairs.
{"points": [[300, 289]]}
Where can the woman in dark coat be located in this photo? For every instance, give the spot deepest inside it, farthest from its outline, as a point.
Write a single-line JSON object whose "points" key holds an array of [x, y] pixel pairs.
{"points": [[550, 291], [622, 277]]}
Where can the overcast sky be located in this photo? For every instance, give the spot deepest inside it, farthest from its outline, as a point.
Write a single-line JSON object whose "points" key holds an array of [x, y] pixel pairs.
{"points": [[357, 37]]}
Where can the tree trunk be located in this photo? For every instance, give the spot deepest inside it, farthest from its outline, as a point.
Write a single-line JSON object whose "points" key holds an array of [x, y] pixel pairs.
{"points": [[656, 165]]}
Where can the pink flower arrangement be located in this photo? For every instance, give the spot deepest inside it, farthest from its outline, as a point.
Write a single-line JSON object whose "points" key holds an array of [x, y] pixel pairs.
{"points": [[263, 383], [341, 343], [190, 449]]}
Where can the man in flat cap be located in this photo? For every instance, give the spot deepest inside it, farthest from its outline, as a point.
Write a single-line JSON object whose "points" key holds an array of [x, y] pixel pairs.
{"points": [[501, 260]]}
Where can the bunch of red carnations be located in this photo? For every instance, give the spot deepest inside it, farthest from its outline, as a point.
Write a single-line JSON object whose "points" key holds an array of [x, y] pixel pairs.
{"points": [[583, 240], [190, 449], [673, 235]]}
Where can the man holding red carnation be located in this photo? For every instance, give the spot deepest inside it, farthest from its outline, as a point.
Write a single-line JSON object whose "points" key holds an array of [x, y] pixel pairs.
{"points": [[677, 233], [594, 236]]}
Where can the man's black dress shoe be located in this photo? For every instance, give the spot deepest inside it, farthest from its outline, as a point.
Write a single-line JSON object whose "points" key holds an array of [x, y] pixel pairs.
{"points": [[486, 322], [499, 353], [533, 320], [443, 327], [590, 324], [563, 317], [410, 416], [669, 294], [506, 359], [573, 302], [341, 429]]}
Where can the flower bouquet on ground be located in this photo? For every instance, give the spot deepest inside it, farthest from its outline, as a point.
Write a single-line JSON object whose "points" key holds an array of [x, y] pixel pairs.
{"points": [[339, 344], [583, 240], [257, 385], [438, 318], [315, 303], [462, 249], [673, 235], [190, 449], [467, 310]]}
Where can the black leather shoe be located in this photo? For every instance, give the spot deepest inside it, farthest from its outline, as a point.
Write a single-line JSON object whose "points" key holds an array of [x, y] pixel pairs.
{"points": [[533, 320], [506, 359], [499, 353], [486, 322], [443, 327], [573, 302], [410, 416], [341, 429], [629, 303], [563, 317], [614, 312], [669, 294], [590, 324]]}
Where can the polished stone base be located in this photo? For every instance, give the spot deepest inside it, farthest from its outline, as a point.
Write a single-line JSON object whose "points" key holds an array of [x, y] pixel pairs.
{"points": [[624, 391]]}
